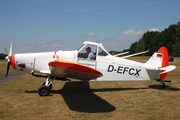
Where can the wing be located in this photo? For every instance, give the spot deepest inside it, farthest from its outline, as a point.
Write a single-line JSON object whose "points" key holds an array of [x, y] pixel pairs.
{"points": [[73, 70]]}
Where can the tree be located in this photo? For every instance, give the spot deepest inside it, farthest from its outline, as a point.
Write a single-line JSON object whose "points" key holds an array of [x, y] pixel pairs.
{"points": [[169, 37], [133, 47], [2, 56], [176, 45]]}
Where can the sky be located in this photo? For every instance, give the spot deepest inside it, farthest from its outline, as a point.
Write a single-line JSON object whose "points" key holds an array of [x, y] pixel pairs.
{"points": [[51, 25]]}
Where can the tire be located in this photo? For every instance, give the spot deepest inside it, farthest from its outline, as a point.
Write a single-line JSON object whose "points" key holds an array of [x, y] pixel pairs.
{"points": [[43, 90]]}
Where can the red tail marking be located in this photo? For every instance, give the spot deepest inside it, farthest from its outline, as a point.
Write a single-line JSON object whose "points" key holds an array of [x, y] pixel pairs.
{"points": [[165, 61]]}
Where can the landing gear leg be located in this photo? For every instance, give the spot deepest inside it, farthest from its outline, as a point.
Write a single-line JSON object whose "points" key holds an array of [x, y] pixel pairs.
{"points": [[163, 82], [46, 87], [163, 85]]}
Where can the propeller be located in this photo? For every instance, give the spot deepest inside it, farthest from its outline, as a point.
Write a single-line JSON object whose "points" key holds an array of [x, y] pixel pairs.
{"points": [[7, 70], [8, 58], [5, 50]]}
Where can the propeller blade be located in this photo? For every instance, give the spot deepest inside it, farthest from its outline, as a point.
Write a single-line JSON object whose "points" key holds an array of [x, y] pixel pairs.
{"points": [[5, 50], [10, 52], [7, 70], [8, 59]]}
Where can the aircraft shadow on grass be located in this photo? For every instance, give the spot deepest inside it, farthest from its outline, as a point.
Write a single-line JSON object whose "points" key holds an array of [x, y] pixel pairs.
{"points": [[168, 88], [79, 97]]}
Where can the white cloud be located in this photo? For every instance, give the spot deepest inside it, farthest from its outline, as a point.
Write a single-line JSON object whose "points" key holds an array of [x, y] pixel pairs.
{"points": [[117, 45], [153, 29], [132, 32], [73, 35], [118, 39], [91, 34], [56, 45], [42, 42]]}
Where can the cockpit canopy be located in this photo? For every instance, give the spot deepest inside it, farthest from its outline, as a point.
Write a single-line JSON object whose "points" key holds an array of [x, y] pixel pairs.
{"points": [[96, 48]]}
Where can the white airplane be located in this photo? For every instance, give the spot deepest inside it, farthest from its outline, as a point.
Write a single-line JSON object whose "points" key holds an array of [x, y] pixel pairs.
{"points": [[104, 66]]}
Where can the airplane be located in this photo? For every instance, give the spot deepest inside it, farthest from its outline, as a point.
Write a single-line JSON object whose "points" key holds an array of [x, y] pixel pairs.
{"points": [[104, 67]]}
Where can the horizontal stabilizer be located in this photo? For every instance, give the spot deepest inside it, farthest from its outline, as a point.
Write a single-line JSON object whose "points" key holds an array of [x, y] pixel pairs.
{"points": [[152, 68], [167, 69]]}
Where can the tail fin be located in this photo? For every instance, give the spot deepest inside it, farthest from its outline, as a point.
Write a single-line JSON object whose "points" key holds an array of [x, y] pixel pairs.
{"points": [[165, 61], [159, 61]]}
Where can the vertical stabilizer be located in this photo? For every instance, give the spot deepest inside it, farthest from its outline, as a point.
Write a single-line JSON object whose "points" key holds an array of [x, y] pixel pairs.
{"points": [[159, 61], [165, 61]]}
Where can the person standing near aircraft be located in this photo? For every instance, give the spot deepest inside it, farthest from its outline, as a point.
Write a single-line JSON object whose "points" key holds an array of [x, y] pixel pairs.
{"points": [[91, 55]]}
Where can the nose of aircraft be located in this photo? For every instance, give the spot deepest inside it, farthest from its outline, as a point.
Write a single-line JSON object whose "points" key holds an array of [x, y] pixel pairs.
{"points": [[12, 59]]}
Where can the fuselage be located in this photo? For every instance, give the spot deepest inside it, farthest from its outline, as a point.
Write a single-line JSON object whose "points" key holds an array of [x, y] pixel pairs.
{"points": [[113, 68], [101, 67]]}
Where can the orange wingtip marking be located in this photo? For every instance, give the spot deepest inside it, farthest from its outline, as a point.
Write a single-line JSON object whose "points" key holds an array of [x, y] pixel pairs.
{"points": [[74, 66], [165, 61], [12, 59]]}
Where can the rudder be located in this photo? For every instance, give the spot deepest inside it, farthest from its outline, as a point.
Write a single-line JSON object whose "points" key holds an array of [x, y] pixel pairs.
{"points": [[165, 61]]}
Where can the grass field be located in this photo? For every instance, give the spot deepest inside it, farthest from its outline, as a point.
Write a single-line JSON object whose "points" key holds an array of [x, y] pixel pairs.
{"points": [[77, 100], [3, 66]]}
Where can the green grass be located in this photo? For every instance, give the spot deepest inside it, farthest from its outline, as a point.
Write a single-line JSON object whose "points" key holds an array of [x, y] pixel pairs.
{"points": [[94, 100], [3, 66]]}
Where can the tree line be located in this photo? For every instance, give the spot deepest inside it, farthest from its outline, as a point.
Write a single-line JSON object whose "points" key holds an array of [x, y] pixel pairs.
{"points": [[169, 37], [2, 56]]}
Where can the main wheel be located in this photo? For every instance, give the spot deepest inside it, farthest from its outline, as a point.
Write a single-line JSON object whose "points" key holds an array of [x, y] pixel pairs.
{"points": [[43, 90]]}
